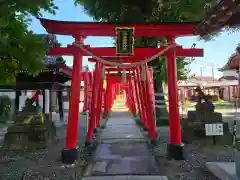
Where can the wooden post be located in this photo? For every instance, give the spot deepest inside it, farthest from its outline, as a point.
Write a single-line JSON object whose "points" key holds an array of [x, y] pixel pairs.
{"points": [[137, 94], [92, 120], [150, 109], [107, 98], [60, 104], [99, 100], [143, 96]]}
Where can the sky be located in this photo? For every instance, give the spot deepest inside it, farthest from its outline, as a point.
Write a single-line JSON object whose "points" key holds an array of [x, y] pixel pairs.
{"points": [[216, 53]]}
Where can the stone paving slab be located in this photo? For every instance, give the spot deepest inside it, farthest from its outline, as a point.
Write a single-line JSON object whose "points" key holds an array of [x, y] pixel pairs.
{"points": [[120, 132], [121, 126], [120, 120], [109, 141], [125, 153], [126, 178], [223, 170], [121, 150], [123, 158]]}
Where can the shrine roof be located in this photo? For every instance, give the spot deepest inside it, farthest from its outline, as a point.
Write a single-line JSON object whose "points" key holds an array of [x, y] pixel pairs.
{"points": [[52, 73], [228, 78], [62, 68], [39, 85], [31, 86], [108, 29], [232, 64], [225, 14]]}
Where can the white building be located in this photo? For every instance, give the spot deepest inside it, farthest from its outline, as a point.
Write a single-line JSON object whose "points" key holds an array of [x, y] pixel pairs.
{"points": [[230, 75]]}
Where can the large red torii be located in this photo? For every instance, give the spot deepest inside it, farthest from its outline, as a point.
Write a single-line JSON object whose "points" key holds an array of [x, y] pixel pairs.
{"points": [[75, 29], [80, 30]]}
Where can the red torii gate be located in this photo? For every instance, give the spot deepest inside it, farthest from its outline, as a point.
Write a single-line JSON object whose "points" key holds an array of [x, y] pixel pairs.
{"points": [[145, 105], [87, 78], [80, 30]]}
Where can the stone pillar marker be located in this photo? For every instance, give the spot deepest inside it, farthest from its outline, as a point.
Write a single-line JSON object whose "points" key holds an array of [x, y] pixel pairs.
{"points": [[22, 99], [40, 99], [47, 98]]}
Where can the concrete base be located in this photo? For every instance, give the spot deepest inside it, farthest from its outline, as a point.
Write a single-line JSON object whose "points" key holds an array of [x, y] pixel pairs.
{"points": [[88, 143], [96, 130], [223, 170], [175, 151], [69, 156]]}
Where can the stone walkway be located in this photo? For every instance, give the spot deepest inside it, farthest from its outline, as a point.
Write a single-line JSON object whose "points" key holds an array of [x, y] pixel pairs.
{"points": [[123, 153]]}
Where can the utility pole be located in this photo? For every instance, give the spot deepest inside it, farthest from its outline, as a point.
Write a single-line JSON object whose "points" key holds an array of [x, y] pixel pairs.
{"points": [[201, 71], [213, 71]]}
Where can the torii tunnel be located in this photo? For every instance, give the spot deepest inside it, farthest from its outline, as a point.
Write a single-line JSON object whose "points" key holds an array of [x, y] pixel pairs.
{"points": [[139, 79]]}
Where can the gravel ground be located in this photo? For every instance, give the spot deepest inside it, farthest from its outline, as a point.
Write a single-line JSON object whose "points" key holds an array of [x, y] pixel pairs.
{"points": [[193, 167], [44, 164]]}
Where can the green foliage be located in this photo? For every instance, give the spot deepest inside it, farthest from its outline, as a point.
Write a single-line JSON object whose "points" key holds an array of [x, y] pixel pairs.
{"points": [[146, 11], [20, 49], [154, 11]]}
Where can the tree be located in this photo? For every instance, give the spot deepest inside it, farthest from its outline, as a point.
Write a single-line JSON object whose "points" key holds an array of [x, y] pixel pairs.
{"points": [[20, 49], [154, 11]]}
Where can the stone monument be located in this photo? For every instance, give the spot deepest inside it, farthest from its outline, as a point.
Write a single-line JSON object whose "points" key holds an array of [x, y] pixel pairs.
{"points": [[193, 128], [31, 129]]}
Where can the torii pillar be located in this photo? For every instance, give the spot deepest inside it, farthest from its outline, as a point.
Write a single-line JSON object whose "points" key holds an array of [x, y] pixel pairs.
{"points": [[175, 148], [70, 153]]}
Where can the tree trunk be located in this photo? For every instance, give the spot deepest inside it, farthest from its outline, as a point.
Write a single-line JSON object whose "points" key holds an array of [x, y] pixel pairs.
{"points": [[161, 110]]}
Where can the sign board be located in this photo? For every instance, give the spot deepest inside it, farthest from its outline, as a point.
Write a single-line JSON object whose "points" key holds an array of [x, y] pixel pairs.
{"points": [[214, 129], [125, 41]]}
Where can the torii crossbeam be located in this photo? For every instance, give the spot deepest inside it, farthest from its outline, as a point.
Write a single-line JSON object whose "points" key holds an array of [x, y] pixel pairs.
{"points": [[141, 52]]}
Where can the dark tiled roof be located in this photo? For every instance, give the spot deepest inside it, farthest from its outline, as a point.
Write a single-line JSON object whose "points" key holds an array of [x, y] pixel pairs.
{"points": [[232, 64], [225, 13], [228, 78]]}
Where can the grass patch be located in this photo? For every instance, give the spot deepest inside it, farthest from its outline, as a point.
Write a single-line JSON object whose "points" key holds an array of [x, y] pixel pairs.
{"points": [[224, 105]]}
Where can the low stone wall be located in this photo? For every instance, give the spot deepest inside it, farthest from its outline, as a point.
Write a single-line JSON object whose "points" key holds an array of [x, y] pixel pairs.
{"points": [[28, 136]]}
